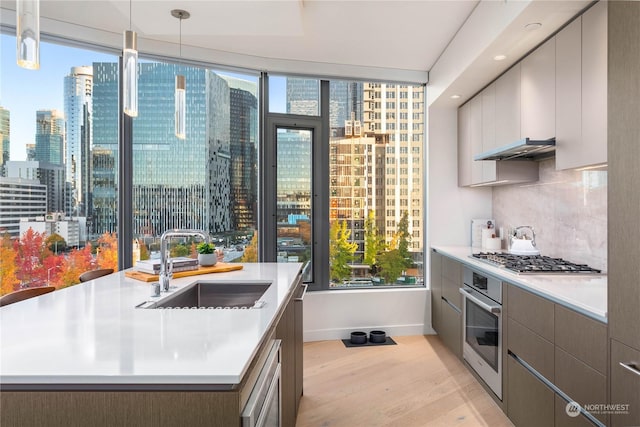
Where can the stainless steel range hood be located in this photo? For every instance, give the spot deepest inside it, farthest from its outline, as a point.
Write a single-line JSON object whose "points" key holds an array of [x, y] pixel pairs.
{"points": [[524, 149]]}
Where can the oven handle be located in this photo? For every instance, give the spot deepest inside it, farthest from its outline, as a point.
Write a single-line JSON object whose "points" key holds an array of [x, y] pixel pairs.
{"points": [[490, 308]]}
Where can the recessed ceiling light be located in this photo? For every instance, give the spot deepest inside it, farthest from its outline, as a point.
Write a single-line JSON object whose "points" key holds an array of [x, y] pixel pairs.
{"points": [[499, 57], [532, 26], [455, 96]]}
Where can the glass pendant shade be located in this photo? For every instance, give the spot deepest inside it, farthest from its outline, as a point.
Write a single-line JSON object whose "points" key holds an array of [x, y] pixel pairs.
{"points": [[181, 107], [130, 74], [28, 34]]}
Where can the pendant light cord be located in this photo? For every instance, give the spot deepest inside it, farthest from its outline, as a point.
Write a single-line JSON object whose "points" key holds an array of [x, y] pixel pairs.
{"points": [[130, 1]]}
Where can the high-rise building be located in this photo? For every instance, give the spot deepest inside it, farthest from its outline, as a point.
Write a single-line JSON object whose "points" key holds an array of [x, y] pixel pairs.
{"points": [[78, 93], [244, 152], [345, 97], [176, 183], [20, 198], [51, 176], [397, 111], [5, 138], [50, 137], [31, 151]]}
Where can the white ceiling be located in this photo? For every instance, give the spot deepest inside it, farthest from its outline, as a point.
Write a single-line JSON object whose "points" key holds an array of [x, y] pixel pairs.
{"points": [[397, 40], [395, 34]]}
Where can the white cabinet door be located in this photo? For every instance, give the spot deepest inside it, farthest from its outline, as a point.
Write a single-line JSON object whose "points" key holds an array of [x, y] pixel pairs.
{"points": [[464, 146], [475, 136], [489, 130], [538, 91], [508, 107], [594, 85], [569, 96]]}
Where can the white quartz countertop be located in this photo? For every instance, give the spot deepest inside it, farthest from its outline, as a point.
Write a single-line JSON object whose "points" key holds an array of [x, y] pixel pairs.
{"points": [[584, 293], [92, 335]]}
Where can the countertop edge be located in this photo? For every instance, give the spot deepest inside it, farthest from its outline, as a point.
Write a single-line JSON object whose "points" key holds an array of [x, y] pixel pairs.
{"points": [[513, 279], [179, 382]]}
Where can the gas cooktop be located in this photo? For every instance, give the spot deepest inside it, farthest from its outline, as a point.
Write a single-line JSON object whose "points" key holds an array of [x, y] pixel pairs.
{"points": [[533, 264]]}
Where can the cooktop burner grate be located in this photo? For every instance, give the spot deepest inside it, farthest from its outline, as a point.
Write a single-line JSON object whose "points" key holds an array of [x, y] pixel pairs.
{"points": [[532, 264]]}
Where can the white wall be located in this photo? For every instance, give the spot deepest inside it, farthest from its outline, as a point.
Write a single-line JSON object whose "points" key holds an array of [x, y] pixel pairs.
{"points": [[450, 208], [330, 315]]}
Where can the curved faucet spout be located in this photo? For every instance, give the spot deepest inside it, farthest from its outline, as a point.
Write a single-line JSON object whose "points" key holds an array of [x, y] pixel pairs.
{"points": [[166, 270]]}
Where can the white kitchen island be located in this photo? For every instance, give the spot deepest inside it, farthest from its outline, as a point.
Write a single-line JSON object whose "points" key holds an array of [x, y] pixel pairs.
{"points": [[92, 335]]}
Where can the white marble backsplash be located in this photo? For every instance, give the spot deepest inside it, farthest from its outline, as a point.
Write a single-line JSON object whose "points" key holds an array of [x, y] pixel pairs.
{"points": [[568, 210]]}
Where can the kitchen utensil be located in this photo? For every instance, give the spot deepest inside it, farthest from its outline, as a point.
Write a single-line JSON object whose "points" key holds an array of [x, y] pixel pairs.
{"points": [[521, 244]]}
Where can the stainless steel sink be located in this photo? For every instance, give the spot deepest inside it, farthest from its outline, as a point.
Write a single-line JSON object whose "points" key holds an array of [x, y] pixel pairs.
{"points": [[214, 295]]}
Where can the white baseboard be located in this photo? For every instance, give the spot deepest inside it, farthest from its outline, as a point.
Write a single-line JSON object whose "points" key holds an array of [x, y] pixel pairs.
{"points": [[344, 333]]}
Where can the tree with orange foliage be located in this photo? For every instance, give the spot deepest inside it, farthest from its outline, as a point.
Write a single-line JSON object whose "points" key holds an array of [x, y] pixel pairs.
{"points": [[107, 256], [31, 251], [72, 266], [8, 280], [251, 251]]}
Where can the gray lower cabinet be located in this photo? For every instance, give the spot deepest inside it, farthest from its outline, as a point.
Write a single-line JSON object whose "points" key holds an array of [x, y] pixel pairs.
{"points": [[446, 316], [625, 384], [564, 351], [288, 331], [451, 330], [565, 415], [436, 291], [531, 402]]}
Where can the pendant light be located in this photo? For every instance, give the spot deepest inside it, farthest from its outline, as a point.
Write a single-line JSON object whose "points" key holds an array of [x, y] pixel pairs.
{"points": [[28, 34], [130, 72], [181, 85]]}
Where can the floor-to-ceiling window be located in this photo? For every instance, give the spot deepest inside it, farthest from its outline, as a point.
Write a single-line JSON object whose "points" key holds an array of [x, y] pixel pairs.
{"points": [[375, 221], [358, 190], [55, 172]]}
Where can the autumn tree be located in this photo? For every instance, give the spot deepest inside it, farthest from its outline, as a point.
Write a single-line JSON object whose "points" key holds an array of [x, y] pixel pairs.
{"points": [[107, 253], [8, 280], [251, 251], [73, 265], [31, 252], [373, 241], [341, 250]]}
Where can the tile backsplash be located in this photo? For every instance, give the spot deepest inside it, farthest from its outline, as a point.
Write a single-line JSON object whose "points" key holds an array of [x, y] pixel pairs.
{"points": [[567, 209]]}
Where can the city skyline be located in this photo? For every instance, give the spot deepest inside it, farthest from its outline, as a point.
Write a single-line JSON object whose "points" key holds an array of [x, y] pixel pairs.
{"points": [[44, 89]]}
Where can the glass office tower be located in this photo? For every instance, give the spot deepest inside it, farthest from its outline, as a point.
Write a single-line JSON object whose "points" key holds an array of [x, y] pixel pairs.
{"points": [[176, 183]]}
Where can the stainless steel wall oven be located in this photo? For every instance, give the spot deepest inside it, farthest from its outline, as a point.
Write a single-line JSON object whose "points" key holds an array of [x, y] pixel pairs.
{"points": [[482, 327]]}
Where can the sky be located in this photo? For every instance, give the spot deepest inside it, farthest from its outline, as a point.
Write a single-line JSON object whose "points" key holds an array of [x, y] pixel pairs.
{"points": [[23, 92]]}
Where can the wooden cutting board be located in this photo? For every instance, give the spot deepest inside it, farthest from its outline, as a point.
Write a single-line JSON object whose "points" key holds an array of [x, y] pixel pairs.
{"points": [[220, 267]]}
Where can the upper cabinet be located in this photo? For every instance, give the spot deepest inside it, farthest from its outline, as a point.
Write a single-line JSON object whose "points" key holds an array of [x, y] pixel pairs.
{"points": [[581, 87], [559, 90], [508, 107], [538, 93], [480, 130]]}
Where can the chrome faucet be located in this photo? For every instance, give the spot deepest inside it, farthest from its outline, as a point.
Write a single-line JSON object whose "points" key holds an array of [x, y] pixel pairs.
{"points": [[166, 267]]}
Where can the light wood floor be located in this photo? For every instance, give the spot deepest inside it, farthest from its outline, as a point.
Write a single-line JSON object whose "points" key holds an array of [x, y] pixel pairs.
{"points": [[418, 382]]}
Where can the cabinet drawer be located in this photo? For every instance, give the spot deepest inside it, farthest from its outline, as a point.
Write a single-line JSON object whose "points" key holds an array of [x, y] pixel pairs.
{"points": [[531, 402], [531, 348], [625, 384], [451, 329], [564, 420], [452, 270], [581, 383], [451, 292], [581, 337], [531, 310]]}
